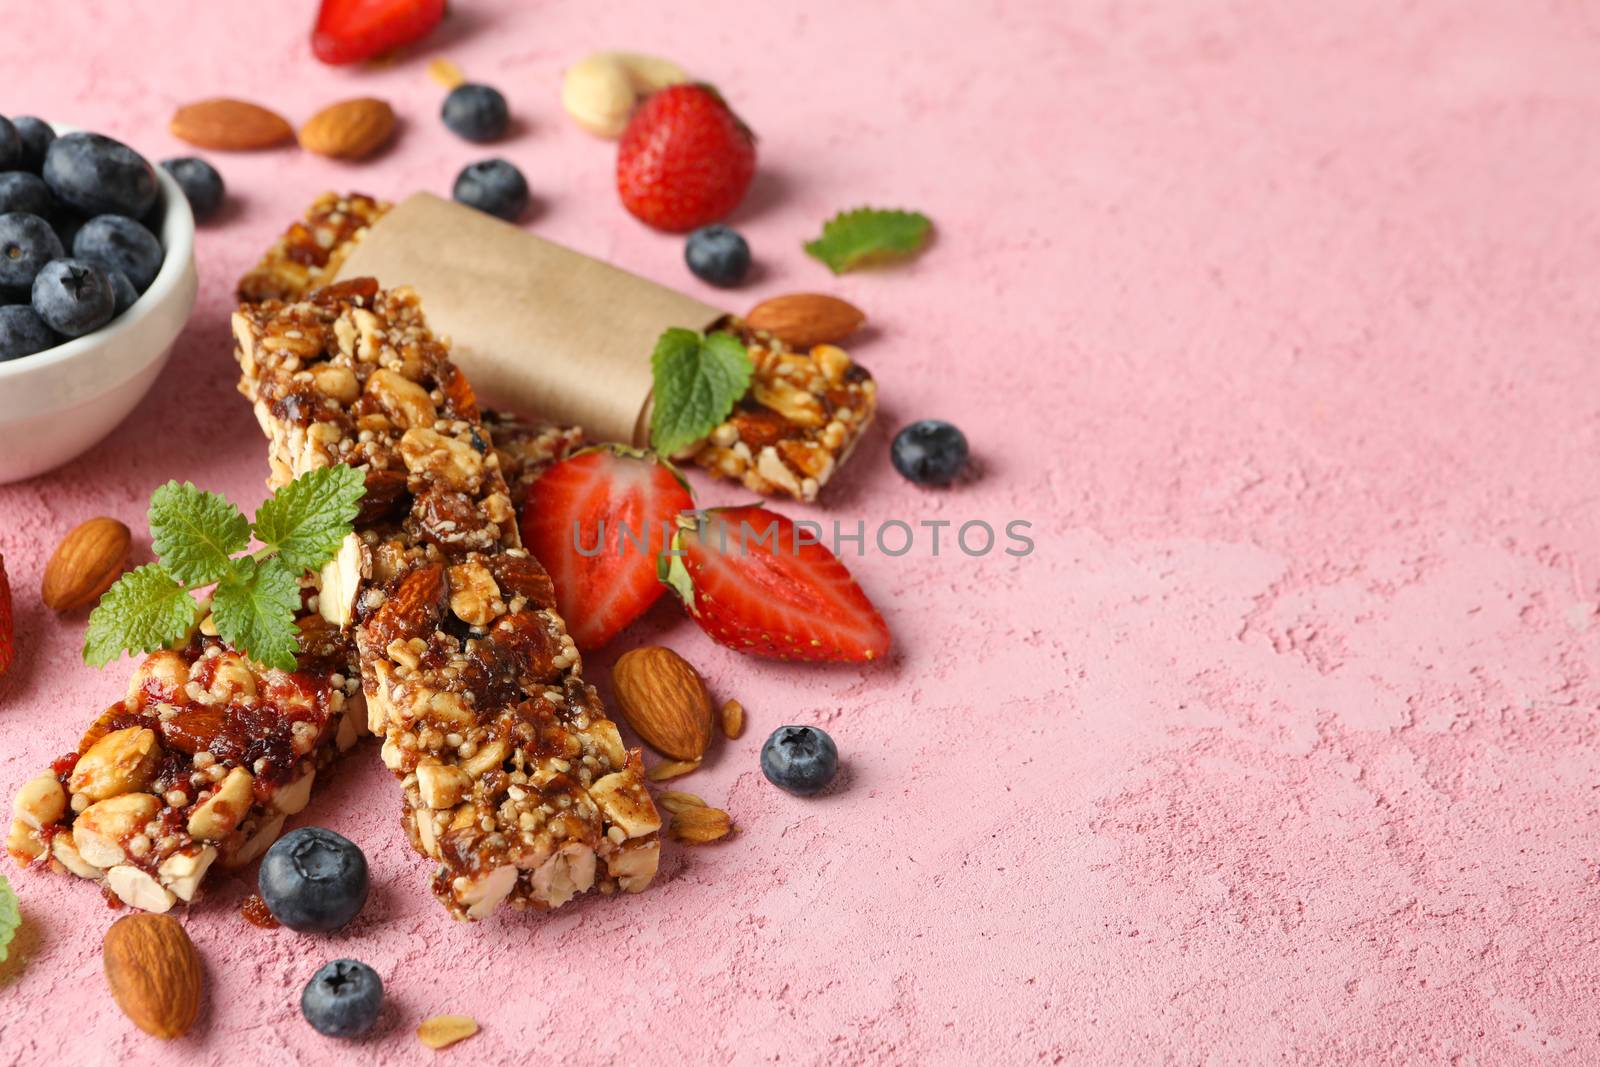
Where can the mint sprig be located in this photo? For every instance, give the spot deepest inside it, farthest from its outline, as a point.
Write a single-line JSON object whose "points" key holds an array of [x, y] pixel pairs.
{"points": [[10, 917], [869, 235], [197, 536], [697, 382]]}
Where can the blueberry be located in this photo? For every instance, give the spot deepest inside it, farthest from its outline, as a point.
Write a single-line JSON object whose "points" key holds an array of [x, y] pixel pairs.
{"points": [[342, 999], [21, 191], [112, 242], [494, 186], [22, 333], [99, 176], [10, 145], [929, 452], [123, 294], [313, 880], [27, 243], [73, 297], [476, 112], [36, 135], [201, 184], [717, 254], [799, 759]]}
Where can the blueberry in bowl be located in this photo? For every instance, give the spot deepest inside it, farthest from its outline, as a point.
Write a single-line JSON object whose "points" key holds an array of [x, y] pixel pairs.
{"points": [[57, 401]]}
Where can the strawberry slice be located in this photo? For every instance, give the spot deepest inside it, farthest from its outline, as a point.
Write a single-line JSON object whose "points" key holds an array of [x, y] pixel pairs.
{"points": [[349, 31], [8, 643], [752, 584], [597, 521]]}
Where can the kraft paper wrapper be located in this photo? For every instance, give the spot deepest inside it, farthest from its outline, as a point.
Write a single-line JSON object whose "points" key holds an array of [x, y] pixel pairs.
{"points": [[538, 328]]}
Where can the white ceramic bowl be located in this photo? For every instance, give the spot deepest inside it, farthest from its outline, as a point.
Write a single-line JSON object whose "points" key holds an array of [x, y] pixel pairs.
{"points": [[56, 404]]}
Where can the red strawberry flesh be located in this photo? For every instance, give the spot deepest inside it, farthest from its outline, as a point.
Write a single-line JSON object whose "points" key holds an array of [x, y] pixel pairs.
{"points": [[685, 160], [631, 498], [761, 593]]}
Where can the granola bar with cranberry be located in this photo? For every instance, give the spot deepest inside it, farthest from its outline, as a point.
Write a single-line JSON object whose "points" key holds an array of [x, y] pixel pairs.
{"points": [[199, 764], [789, 434], [515, 783]]}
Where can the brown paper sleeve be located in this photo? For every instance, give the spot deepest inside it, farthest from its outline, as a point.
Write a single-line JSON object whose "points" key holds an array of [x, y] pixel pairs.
{"points": [[538, 328]]}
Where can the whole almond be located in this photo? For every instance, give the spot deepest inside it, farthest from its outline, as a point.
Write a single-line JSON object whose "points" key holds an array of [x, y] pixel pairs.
{"points": [[665, 702], [154, 973], [801, 320], [350, 129], [230, 125], [85, 564]]}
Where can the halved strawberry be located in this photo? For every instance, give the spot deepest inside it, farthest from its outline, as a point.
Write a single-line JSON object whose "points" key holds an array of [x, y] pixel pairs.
{"points": [[597, 521], [8, 642], [349, 31], [753, 585]]}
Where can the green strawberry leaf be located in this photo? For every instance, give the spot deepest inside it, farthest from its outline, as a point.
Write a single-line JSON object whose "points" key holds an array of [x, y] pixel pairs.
{"points": [[194, 532], [697, 382], [869, 235], [145, 610]]}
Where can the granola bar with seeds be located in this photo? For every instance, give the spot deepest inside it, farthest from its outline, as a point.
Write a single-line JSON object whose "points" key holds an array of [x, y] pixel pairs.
{"points": [[796, 426], [197, 766], [515, 783]]}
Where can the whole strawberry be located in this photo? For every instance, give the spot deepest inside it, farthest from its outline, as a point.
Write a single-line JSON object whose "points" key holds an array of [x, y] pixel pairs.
{"points": [[685, 159], [8, 646]]}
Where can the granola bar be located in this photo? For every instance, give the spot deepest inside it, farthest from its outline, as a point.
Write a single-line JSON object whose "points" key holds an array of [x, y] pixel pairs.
{"points": [[514, 781], [797, 425], [199, 764]]}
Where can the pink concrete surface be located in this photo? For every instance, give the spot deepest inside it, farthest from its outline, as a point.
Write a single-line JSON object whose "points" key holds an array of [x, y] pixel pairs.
{"points": [[1279, 322]]}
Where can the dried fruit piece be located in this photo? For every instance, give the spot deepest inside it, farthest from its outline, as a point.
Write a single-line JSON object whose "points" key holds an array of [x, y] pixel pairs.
{"points": [[154, 973], [697, 826], [665, 702], [801, 320], [350, 129], [732, 719], [230, 125], [441, 1031], [85, 564], [667, 770]]}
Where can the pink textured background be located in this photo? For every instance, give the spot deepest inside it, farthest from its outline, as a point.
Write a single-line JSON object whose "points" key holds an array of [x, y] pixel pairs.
{"points": [[1279, 321]]}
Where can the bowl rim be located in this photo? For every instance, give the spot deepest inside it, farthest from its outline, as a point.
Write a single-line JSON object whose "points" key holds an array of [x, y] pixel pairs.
{"points": [[177, 241]]}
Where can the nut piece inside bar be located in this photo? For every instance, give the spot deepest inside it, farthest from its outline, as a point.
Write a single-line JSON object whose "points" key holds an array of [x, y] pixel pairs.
{"points": [[515, 782], [199, 765]]}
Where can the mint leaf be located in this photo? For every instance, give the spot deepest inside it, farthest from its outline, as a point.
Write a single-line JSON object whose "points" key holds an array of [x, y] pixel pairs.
{"points": [[10, 917], [194, 532], [697, 382], [145, 610], [254, 607], [869, 235], [305, 520]]}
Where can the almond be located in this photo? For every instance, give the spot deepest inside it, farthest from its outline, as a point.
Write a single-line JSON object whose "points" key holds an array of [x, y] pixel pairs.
{"points": [[85, 564], [230, 125], [665, 702], [801, 320], [350, 129], [154, 973], [698, 826], [443, 1030]]}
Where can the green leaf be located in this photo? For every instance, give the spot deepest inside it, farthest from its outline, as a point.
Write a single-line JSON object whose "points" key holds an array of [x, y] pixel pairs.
{"points": [[145, 610], [697, 382], [10, 917], [869, 235], [254, 607], [194, 532], [305, 520]]}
